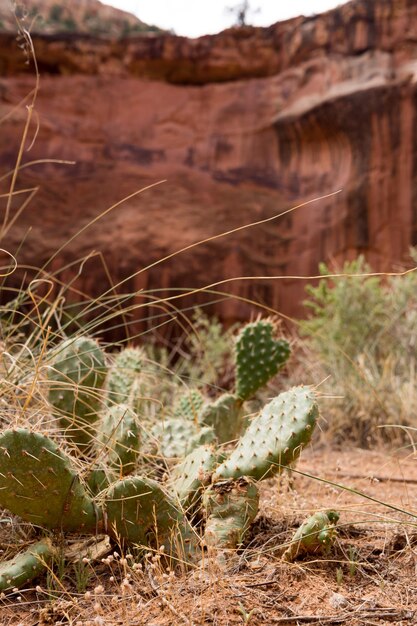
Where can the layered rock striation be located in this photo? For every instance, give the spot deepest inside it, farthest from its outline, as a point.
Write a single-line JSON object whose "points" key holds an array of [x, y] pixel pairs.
{"points": [[242, 126]]}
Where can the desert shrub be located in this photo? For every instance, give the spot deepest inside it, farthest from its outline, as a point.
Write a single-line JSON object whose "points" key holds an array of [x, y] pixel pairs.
{"points": [[361, 335], [55, 13]]}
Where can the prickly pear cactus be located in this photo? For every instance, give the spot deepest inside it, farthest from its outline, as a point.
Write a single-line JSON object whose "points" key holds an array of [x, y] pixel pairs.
{"points": [[139, 398], [122, 375], [314, 535], [76, 376], [175, 438], [189, 405], [189, 478], [274, 438], [26, 566], [224, 416], [100, 478], [140, 512], [39, 483], [258, 357], [120, 438], [231, 506]]}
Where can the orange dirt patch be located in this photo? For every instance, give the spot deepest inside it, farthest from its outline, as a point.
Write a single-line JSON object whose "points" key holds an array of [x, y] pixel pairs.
{"points": [[367, 578]]}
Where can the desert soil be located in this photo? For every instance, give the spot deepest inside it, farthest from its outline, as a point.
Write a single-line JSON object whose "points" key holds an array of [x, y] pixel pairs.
{"points": [[367, 578]]}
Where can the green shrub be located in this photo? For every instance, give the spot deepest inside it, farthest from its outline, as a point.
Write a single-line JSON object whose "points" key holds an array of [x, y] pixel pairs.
{"points": [[361, 334]]}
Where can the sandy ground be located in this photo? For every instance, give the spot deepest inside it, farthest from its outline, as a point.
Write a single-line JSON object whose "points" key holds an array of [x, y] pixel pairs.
{"points": [[367, 578]]}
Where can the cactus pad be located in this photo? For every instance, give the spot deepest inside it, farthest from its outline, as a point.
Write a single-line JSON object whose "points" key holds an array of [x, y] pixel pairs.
{"points": [[189, 405], [314, 535], [139, 512], [177, 437], [190, 477], [119, 434], [123, 373], [100, 478], [38, 483], [258, 357], [224, 416], [26, 566], [274, 438], [231, 506], [75, 379]]}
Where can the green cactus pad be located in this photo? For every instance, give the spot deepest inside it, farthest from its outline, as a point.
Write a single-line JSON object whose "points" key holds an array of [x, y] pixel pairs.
{"points": [[189, 405], [314, 535], [38, 483], [175, 438], [138, 397], [120, 437], [190, 477], [123, 373], [224, 416], [26, 566], [76, 376], [100, 478], [274, 438], [258, 357], [231, 506], [140, 512]]}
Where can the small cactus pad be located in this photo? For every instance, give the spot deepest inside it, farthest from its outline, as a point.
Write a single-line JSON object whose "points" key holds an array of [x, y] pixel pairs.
{"points": [[224, 416], [190, 477], [189, 405], [123, 373], [314, 535], [138, 397], [175, 438], [231, 506], [258, 357], [76, 376], [139, 512], [120, 436], [274, 438], [26, 566], [38, 483]]}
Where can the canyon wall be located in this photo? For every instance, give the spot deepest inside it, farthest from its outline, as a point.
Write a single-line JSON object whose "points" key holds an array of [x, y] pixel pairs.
{"points": [[240, 126]]}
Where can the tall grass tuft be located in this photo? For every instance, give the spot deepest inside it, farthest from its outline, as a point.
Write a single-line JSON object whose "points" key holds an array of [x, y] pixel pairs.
{"points": [[362, 335]]}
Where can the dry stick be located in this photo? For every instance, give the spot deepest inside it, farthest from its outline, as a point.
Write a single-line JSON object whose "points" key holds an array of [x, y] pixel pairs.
{"points": [[338, 619]]}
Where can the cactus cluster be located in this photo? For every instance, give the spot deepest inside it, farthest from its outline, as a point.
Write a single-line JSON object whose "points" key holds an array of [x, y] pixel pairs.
{"points": [[210, 483]]}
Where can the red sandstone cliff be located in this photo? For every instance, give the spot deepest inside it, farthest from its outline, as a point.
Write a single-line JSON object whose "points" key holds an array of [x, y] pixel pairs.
{"points": [[242, 125]]}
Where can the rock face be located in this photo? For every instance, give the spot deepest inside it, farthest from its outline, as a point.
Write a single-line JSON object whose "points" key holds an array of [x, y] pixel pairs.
{"points": [[241, 126]]}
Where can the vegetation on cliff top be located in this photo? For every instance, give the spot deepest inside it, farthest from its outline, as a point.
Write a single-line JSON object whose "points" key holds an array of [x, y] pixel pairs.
{"points": [[77, 16]]}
